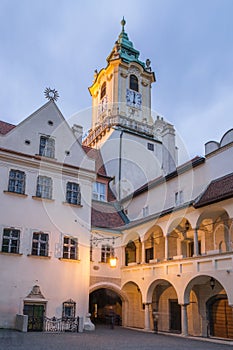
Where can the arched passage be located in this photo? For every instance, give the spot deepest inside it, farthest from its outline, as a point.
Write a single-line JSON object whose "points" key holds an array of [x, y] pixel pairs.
{"points": [[134, 314], [165, 306], [208, 309], [133, 250], [154, 244], [105, 304], [180, 239], [214, 231]]}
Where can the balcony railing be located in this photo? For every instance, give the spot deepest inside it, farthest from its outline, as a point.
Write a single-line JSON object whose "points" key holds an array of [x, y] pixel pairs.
{"points": [[118, 120], [192, 265]]}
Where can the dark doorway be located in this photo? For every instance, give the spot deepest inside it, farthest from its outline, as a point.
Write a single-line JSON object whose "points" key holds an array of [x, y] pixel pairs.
{"points": [[35, 314], [149, 254], [104, 306], [175, 316], [220, 317], [130, 253]]}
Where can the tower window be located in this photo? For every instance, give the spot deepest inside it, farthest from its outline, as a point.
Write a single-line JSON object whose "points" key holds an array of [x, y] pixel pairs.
{"points": [[103, 90], [133, 82], [150, 146]]}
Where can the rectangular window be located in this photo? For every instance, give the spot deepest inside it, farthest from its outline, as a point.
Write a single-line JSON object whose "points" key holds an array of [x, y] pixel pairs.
{"points": [[40, 244], [145, 211], [73, 194], [70, 248], [150, 146], [106, 252], [10, 240], [179, 198], [16, 181], [68, 309], [44, 187], [47, 147], [99, 191]]}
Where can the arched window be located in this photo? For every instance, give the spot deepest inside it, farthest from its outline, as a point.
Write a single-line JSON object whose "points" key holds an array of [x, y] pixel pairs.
{"points": [[103, 90], [133, 82]]}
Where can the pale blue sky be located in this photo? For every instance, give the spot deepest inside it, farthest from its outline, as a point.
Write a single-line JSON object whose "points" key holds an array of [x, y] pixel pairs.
{"points": [[59, 44]]}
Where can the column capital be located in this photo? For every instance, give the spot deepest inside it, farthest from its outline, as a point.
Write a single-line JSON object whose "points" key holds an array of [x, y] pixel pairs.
{"points": [[147, 303]]}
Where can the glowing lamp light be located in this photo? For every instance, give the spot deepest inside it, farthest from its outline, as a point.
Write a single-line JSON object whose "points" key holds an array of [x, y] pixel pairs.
{"points": [[113, 261]]}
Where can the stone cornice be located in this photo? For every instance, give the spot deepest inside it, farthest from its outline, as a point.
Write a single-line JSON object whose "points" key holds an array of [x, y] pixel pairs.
{"points": [[45, 164]]}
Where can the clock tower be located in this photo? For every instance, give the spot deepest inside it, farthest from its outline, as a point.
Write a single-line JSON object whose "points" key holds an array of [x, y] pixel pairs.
{"points": [[122, 124]]}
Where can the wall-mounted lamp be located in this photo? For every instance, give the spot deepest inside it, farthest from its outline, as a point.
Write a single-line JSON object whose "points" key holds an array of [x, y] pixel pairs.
{"points": [[212, 283], [96, 240], [113, 261]]}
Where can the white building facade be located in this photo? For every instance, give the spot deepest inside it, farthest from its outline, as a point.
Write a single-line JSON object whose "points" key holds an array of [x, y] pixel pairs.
{"points": [[68, 208], [46, 191]]}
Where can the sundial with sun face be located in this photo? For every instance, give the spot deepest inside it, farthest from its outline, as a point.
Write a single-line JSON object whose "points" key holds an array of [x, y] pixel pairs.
{"points": [[51, 94]]}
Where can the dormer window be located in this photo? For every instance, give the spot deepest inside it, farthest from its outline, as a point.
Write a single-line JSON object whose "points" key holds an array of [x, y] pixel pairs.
{"points": [[47, 147], [103, 90], [133, 82], [99, 191]]}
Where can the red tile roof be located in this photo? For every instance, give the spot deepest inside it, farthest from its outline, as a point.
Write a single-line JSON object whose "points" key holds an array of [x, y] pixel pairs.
{"points": [[217, 190], [106, 215], [5, 127]]}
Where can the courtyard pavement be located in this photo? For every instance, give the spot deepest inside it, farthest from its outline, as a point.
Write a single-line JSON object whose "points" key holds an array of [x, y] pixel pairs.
{"points": [[104, 338]]}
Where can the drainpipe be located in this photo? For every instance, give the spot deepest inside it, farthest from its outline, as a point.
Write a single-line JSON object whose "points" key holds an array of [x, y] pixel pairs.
{"points": [[119, 170]]}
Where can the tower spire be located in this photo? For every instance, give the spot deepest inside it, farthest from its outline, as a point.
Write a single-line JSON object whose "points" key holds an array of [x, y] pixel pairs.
{"points": [[124, 48], [123, 23]]}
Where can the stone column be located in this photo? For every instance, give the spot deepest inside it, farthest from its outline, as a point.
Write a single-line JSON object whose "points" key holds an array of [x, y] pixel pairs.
{"points": [[147, 317], [123, 255], [138, 246], [143, 252], [195, 239], [166, 248], [184, 320]]}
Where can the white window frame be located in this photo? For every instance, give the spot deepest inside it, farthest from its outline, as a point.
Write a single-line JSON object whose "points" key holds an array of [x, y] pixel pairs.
{"points": [[106, 252], [145, 211], [70, 248], [44, 187], [179, 197], [47, 146], [41, 240], [73, 193], [11, 238], [99, 191], [16, 181]]}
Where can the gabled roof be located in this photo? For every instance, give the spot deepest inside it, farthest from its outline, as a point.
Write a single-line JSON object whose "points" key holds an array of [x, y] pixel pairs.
{"points": [[107, 215], [5, 127], [217, 190]]}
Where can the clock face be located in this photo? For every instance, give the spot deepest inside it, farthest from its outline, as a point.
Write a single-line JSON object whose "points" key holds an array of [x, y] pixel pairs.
{"points": [[133, 99]]}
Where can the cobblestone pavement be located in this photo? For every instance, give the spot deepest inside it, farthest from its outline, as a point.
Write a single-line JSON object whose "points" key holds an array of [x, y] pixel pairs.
{"points": [[103, 338]]}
